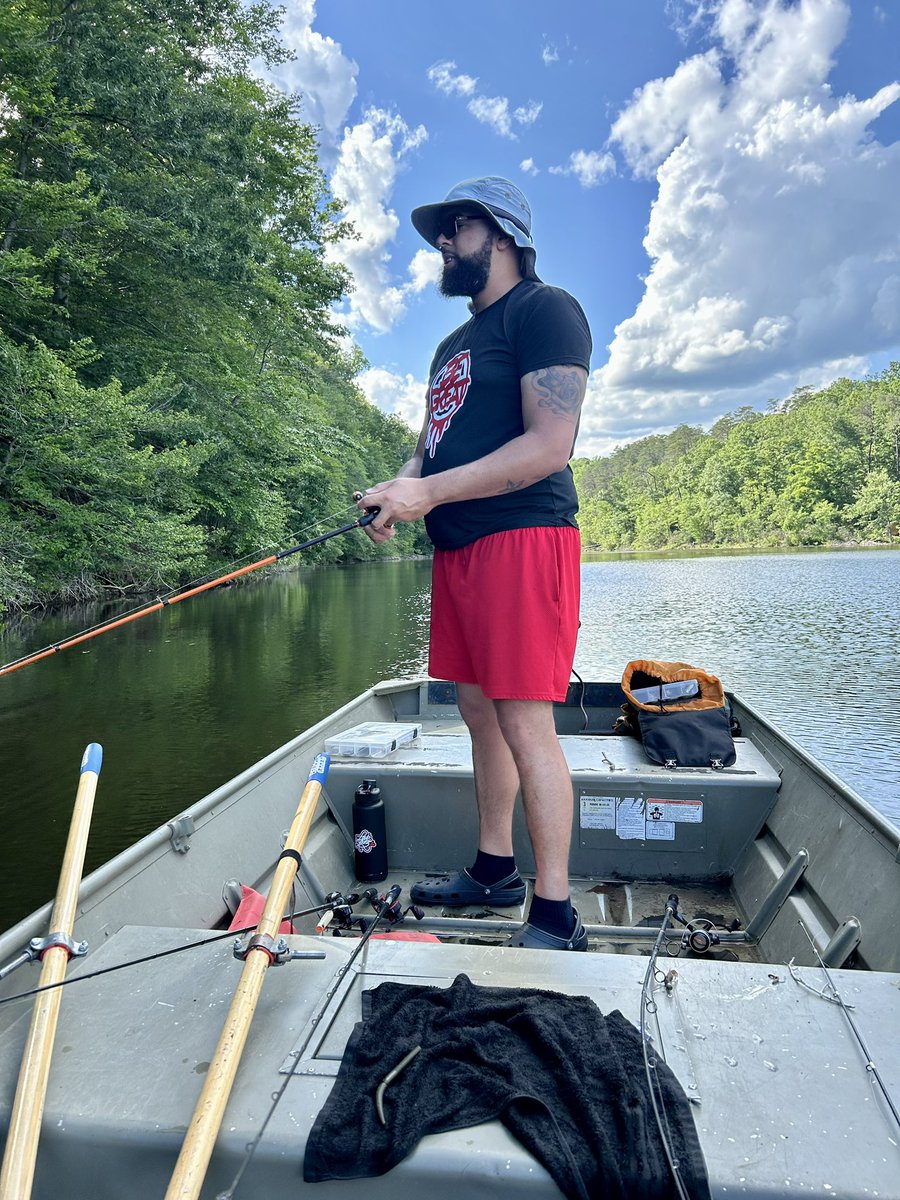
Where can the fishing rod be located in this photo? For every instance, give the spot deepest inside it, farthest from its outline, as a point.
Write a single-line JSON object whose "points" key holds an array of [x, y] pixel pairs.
{"points": [[262, 950], [165, 602], [334, 905], [831, 993]]}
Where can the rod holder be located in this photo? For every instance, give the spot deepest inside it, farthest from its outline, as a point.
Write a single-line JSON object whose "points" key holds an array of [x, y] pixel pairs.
{"points": [[778, 894], [842, 943]]}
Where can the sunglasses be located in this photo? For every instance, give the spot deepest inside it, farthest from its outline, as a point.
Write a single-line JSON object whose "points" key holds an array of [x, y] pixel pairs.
{"points": [[449, 227]]}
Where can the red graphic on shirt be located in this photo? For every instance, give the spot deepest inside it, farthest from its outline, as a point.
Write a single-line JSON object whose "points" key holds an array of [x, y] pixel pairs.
{"points": [[448, 391]]}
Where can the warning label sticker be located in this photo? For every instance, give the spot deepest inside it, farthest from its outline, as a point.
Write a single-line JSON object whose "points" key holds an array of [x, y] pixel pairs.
{"points": [[598, 812], [633, 817], [660, 831], [630, 819], [675, 810]]}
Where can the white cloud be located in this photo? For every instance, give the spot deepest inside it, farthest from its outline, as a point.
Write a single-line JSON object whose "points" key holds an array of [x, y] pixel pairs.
{"points": [[612, 417], [589, 167], [773, 240], [320, 72], [402, 395], [528, 113], [369, 158], [424, 269], [529, 166], [664, 111], [689, 16], [493, 111], [549, 54], [445, 78]]}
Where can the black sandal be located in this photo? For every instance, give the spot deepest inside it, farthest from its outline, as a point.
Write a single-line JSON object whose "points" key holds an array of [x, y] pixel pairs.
{"points": [[539, 939], [460, 889]]}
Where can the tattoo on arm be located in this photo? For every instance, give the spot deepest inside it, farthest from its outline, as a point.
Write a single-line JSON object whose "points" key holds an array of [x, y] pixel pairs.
{"points": [[512, 485], [561, 390]]}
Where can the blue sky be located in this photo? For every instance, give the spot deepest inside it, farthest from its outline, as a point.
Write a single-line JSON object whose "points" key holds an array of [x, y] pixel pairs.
{"points": [[717, 181]]}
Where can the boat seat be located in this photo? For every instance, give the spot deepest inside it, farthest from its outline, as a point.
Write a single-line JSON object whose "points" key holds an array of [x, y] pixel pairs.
{"points": [[631, 818]]}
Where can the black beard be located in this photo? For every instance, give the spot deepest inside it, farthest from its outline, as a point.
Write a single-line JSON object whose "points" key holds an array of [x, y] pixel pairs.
{"points": [[468, 276]]}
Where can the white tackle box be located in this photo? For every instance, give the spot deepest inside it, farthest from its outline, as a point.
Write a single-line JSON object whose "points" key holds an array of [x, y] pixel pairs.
{"points": [[372, 739]]}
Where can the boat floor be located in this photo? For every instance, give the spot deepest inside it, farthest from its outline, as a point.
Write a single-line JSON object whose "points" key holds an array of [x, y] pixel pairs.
{"points": [[607, 904], [783, 1102]]}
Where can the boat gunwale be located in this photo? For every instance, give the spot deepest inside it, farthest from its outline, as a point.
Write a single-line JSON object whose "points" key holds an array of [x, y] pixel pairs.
{"points": [[842, 790]]}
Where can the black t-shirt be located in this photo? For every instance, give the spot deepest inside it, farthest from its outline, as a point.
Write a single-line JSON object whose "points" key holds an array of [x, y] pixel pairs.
{"points": [[475, 407]]}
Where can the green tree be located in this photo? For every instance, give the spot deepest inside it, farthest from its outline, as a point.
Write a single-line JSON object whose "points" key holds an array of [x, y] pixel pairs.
{"points": [[163, 233], [816, 467], [81, 481], [875, 513]]}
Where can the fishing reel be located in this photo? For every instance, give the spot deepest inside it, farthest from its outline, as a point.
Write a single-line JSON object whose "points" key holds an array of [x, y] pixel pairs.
{"points": [[338, 913], [700, 935], [394, 913]]}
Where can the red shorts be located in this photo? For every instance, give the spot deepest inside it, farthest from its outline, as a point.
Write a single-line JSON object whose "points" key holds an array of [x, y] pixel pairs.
{"points": [[504, 613]]}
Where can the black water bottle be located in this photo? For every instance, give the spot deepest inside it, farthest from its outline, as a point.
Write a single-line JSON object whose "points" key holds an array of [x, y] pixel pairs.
{"points": [[369, 838]]}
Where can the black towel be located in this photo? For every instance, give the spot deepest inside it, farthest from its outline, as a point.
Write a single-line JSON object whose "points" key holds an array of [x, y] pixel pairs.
{"points": [[567, 1082]]}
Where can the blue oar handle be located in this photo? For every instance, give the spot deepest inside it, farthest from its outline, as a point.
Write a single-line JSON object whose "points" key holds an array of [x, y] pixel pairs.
{"points": [[318, 772], [92, 759]]}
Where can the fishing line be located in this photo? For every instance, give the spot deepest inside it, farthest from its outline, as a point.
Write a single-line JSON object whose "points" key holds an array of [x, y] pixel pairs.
{"points": [[822, 993], [175, 595], [134, 962], [585, 721], [845, 1008], [657, 1100]]}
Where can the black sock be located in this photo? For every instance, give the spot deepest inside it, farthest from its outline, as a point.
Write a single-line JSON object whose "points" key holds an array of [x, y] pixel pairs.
{"points": [[553, 916], [491, 868]]}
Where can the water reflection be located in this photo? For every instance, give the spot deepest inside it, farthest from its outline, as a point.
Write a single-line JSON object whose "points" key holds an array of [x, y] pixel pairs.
{"points": [[183, 699]]}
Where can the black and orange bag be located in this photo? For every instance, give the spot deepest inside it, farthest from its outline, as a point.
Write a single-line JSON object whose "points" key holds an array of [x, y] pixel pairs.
{"points": [[679, 712]]}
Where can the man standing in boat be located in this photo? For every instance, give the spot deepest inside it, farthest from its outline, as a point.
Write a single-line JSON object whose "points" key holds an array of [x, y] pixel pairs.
{"points": [[490, 476]]}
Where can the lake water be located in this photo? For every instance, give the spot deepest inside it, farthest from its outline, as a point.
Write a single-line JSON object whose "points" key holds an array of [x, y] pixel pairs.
{"points": [[185, 698]]}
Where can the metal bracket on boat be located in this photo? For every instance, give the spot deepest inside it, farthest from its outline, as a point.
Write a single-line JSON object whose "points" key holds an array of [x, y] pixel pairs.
{"points": [[278, 951], [37, 947], [182, 832]]}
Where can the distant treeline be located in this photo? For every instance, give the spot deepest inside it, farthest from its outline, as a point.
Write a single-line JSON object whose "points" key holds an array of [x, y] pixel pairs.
{"points": [[173, 392], [820, 467]]}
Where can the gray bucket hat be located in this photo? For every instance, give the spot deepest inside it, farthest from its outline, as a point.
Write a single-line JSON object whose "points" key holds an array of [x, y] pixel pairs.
{"points": [[500, 201]]}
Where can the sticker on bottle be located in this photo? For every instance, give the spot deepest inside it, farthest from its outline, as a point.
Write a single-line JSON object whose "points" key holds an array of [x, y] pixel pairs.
{"points": [[364, 841]]}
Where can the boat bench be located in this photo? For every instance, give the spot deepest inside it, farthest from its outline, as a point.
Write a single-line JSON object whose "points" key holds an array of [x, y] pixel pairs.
{"points": [[631, 818]]}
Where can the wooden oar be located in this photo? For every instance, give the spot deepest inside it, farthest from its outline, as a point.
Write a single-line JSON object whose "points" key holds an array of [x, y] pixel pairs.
{"points": [[196, 1151], [20, 1154]]}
